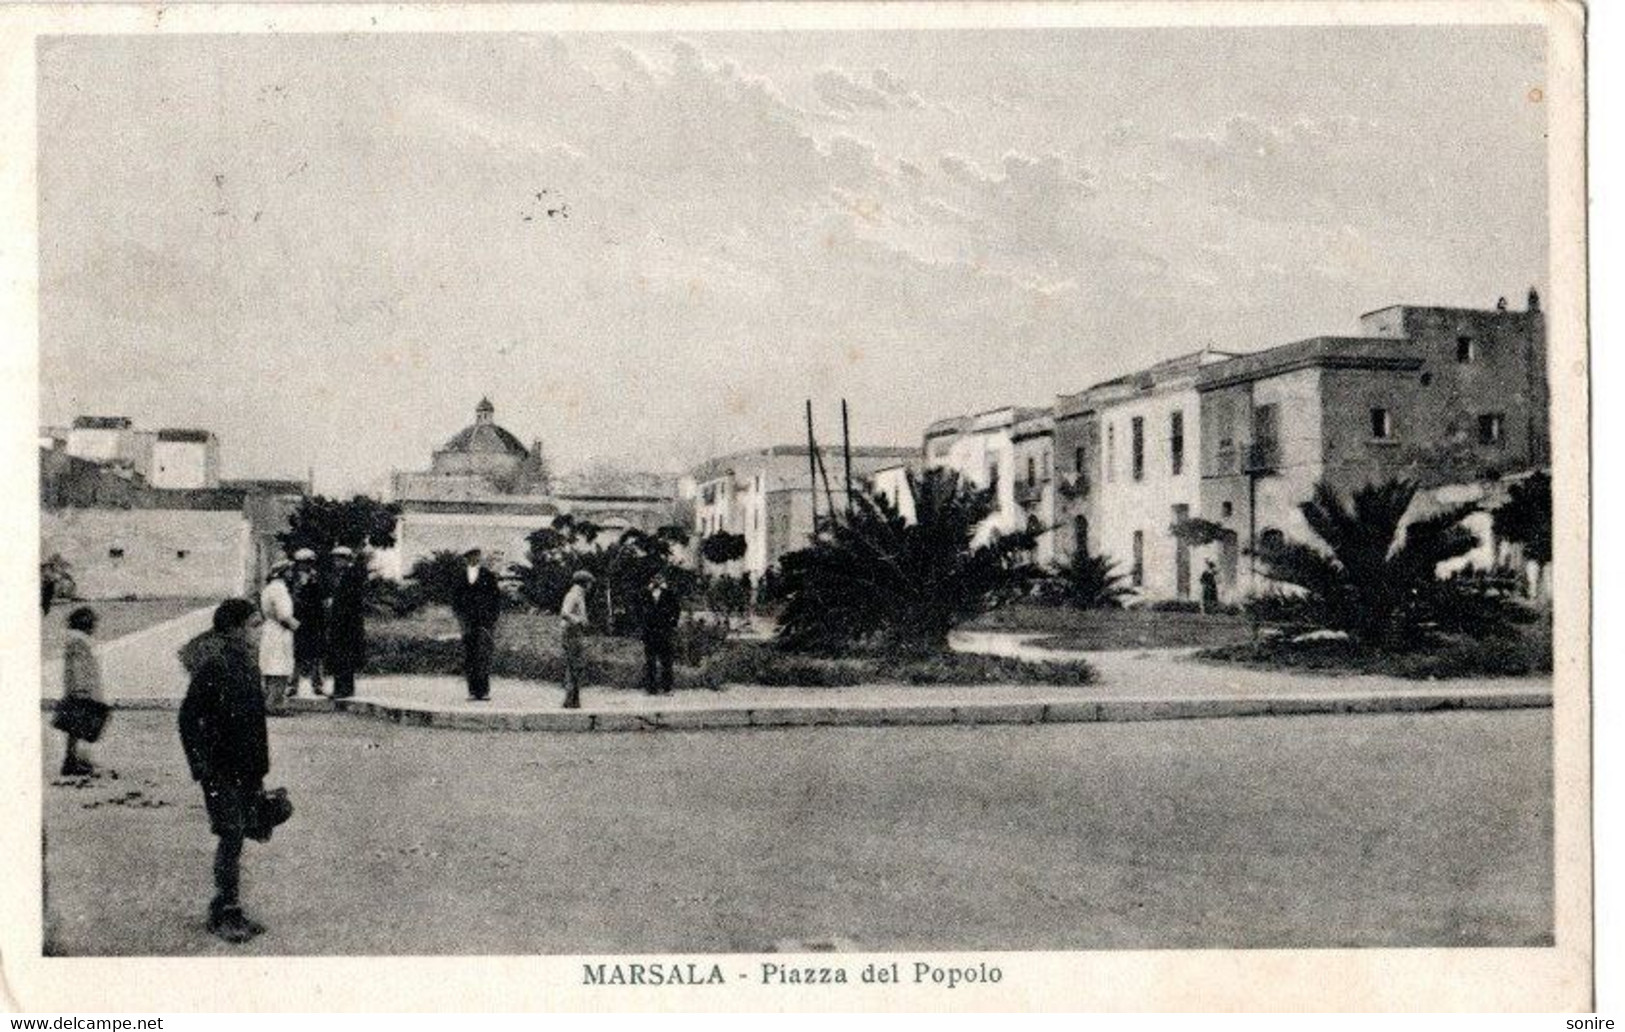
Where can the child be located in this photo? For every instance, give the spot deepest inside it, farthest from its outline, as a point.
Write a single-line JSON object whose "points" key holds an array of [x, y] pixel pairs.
{"points": [[81, 679]]}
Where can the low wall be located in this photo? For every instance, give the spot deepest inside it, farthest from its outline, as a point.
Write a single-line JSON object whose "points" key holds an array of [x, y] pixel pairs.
{"points": [[151, 553]]}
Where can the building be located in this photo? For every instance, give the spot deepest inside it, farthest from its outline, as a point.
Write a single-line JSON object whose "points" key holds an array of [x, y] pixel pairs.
{"points": [[982, 449], [112, 441], [484, 489], [125, 538], [1454, 399], [1137, 438], [768, 495], [1033, 440], [184, 459], [892, 484]]}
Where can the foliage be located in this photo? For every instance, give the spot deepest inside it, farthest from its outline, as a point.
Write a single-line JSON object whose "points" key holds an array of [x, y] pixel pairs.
{"points": [[1194, 531], [1526, 517], [722, 548], [437, 576], [1527, 653], [622, 568], [321, 524], [386, 597], [728, 595], [1093, 581], [774, 666], [871, 575], [1376, 578]]}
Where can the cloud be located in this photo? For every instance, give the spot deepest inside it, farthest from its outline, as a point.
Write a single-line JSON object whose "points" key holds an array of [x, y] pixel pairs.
{"points": [[841, 92]]}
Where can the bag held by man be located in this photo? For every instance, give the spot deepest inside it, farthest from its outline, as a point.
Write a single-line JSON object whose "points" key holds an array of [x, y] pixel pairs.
{"points": [[271, 809], [82, 718]]}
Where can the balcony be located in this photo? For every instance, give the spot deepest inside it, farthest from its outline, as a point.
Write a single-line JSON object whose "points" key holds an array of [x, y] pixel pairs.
{"points": [[1263, 457]]}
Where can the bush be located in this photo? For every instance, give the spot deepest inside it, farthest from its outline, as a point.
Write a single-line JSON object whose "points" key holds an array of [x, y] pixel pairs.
{"points": [[410, 654], [774, 666], [1522, 655], [386, 597]]}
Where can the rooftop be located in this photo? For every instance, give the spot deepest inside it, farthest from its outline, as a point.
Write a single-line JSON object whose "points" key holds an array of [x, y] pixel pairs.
{"points": [[1315, 352]]}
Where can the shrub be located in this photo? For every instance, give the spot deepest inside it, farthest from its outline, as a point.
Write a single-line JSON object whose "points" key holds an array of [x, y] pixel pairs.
{"points": [[774, 666], [1519, 655]]}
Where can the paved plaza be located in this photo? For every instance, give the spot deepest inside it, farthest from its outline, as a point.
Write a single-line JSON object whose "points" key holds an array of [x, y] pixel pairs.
{"points": [[1381, 830]]}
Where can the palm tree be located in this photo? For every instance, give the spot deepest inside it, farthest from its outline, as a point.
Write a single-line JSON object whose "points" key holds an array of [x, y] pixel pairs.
{"points": [[1093, 581], [873, 576], [1375, 577]]}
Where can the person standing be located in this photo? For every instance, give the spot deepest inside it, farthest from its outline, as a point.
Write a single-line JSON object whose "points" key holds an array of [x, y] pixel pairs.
{"points": [[82, 683], [346, 621], [309, 613], [573, 614], [222, 728], [276, 638], [661, 612], [1210, 587], [477, 602]]}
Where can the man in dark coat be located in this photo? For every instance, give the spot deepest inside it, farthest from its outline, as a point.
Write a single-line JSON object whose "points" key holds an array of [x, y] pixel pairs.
{"points": [[310, 612], [661, 612], [346, 621], [477, 601], [222, 726]]}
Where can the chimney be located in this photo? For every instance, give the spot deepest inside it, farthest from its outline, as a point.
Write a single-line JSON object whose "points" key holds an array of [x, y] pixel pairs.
{"points": [[1534, 300]]}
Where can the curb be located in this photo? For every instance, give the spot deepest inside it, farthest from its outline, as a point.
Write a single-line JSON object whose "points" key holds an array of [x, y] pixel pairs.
{"points": [[1081, 711]]}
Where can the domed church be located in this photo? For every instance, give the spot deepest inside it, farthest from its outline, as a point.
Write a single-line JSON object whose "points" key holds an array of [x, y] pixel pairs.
{"points": [[484, 489]]}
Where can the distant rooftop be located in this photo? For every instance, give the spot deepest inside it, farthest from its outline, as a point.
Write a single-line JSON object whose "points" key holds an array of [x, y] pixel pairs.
{"points": [[1315, 352], [101, 423], [185, 434]]}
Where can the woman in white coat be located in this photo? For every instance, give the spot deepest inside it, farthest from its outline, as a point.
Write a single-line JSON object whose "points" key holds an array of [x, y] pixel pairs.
{"points": [[276, 637]]}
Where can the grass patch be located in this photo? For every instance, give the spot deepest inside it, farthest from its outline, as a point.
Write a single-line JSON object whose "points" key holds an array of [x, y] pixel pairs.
{"points": [[766, 664], [529, 648], [1527, 653], [1100, 629]]}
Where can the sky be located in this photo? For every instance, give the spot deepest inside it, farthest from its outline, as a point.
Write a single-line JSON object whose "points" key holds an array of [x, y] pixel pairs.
{"points": [[650, 249]]}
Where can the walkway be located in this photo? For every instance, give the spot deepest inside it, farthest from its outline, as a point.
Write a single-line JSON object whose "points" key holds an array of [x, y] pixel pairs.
{"points": [[142, 672]]}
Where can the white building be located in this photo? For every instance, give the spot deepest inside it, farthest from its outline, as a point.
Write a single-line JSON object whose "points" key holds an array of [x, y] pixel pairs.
{"points": [[769, 496], [982, 450], [1149, 474], [185, 459], [112, 441]]}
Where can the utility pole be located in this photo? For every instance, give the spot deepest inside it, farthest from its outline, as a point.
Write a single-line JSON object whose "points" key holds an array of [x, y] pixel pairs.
{"points": [[812, 468], [846, 453]]}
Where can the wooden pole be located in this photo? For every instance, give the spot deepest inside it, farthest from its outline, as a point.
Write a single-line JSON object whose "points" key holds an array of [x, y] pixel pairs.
{"points": [[812, 468], [846, 453]]}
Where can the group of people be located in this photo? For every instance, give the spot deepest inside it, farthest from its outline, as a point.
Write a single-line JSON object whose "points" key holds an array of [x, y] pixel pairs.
{"points": [[313, 625], [305, 625], [477, 603]]}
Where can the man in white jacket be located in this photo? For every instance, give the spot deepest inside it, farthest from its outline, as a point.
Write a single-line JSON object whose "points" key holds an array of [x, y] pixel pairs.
{"points": [[276, 637]]}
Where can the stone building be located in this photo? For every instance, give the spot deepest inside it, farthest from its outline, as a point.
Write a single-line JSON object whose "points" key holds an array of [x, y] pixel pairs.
{"points": [[768, 496], [484, 489], [122, 537], [1453, 399]]}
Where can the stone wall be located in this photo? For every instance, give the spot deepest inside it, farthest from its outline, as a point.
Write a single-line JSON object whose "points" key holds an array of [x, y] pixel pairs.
{"points": [[151, 553]]}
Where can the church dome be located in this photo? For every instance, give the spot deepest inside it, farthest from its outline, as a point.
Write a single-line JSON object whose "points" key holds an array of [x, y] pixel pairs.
{"points": [[485, 437]]}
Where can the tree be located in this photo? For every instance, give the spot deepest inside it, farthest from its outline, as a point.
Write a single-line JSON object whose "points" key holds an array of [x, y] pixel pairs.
{"points": [[722, 548], [872, 576], [1526, 517], [621, 568], [321, 524], [1375, 577], [437, 576], [1093, 581]]}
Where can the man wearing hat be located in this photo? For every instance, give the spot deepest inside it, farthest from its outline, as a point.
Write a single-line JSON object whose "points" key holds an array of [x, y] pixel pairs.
{"points": [[309, 611], [477, 601], [276, 637], [346, 621], [574, 615]]}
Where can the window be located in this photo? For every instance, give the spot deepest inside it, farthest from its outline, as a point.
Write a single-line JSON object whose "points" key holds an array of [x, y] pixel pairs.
{"points": [[115, 553], [1137, 446], [1176, 441], [1266, 437], [1466, 349], [1032, 471], [1080, 534], [1382, 426], [1111, 451], [1044, 472], [1491, 428], [1137, 571], [1077, 460], [1227, 510], [181, 553], [993, 475]]}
